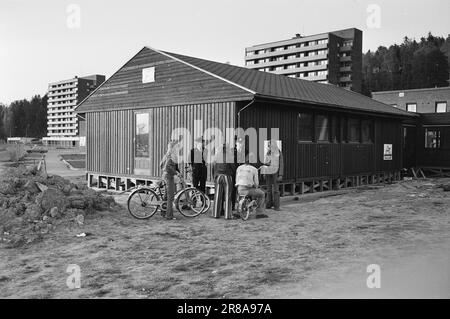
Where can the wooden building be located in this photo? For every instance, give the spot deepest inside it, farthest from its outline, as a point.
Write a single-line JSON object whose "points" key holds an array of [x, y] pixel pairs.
{"points": [[427, 139], [331, 137]]}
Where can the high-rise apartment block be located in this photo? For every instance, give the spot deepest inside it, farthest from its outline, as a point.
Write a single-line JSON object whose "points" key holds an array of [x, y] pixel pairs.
{"points": [[63, 96], [333, 57]]}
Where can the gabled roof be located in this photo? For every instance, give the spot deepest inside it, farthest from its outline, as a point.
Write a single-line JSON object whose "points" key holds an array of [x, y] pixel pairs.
{"points": [[282, 87], [256, 83]]}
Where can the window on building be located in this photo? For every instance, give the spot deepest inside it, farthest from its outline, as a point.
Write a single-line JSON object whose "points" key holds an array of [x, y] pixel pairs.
{"points": [[148, 75], [367, 131], [432, 138], [353, 130], [322, 127], [411, 107], [335, 129], [441, 107], [305, 127], [142, 135]]}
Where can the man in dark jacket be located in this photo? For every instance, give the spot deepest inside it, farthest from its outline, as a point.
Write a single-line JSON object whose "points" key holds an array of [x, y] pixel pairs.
{"points": [[198, 165]]}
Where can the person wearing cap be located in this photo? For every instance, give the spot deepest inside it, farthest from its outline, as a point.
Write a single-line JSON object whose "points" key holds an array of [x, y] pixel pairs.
{"points": [[169, 169], [247, 183], [223, 170], [198, 165], [272, 172]]}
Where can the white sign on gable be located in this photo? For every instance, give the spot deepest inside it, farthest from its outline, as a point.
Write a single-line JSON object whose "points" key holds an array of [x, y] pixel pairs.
{"points": [[148, 75]]}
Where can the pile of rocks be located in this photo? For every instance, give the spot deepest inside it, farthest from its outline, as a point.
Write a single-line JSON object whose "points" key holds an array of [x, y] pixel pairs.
{"points": [[32, 204]]}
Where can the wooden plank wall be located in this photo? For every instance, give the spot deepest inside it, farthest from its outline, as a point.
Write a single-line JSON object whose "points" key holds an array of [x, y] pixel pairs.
{"points": [[110, 134], [319, 160], [109, 142]]}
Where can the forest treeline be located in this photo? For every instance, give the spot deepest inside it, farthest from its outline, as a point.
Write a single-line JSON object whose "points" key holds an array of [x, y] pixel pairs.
{"points": [[410, 65], [24, 118]]}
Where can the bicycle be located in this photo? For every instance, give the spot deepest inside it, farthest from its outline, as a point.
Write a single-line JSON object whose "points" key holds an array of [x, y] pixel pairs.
{"points": [[145, 201], [246, 206]]}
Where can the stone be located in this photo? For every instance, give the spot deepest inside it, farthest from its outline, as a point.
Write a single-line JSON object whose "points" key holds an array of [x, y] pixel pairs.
{"points": [[54, 212], [79, 219], [66, 189], [41, 187], [31, 187], [52, 198], [33, 211], [78, 203]]}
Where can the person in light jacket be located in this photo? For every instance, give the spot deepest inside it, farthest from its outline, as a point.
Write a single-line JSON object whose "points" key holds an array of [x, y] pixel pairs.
{"points": [[273, 172], [169, 169]]}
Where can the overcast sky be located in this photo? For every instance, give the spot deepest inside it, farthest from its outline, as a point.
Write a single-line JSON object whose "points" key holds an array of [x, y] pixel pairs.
{"points": [[44, 41]]}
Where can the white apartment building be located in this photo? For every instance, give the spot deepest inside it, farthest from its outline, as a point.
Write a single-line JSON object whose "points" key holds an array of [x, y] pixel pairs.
{"points": [[63, 96]]}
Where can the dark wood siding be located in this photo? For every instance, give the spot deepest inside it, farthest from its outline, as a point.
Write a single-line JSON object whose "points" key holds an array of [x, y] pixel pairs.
{"points": [[304, 160], [175, 84], [434, 157]]}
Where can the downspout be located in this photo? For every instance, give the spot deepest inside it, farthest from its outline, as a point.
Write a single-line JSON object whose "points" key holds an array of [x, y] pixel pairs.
{"points": [[239, 112]]}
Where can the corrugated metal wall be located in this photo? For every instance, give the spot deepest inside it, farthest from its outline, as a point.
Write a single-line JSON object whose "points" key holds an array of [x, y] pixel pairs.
{"points": [[111, 134]]}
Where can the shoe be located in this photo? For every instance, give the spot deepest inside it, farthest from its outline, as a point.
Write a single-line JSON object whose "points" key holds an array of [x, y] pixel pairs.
{"points": [[261, 216], [277, 209]]}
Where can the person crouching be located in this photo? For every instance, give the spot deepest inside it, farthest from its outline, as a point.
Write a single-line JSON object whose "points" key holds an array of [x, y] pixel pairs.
{"points": [[247, 183]]}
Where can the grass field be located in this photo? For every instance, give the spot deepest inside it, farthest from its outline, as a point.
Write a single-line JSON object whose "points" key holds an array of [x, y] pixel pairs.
{"points": [[312, 248]]}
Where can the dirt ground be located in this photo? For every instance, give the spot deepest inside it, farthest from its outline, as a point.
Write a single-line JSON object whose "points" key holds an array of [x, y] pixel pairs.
{"points": [[313, 248]]}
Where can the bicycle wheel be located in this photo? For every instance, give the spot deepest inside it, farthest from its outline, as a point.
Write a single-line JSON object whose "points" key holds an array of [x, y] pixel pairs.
{"points": [[208, 204], [143, 203], [243, 209], [191, 202]]}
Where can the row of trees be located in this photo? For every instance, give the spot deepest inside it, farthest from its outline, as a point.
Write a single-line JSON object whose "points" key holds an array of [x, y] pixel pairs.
{"points": [[410, 65], [24, 118]]}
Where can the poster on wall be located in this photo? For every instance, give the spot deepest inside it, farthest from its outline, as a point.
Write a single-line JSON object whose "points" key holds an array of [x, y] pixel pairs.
{"points": [[387, 153]]}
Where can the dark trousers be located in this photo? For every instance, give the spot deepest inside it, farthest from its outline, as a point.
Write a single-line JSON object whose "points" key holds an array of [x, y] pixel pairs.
{"points": [[273, 191], [234, 192], [223, 185], [170, 187], [199, 176]]}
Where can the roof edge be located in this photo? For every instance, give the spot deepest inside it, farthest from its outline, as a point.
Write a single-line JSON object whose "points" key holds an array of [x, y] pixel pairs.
{"points": [[106, 80], [202, 70], [275, 98]]}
